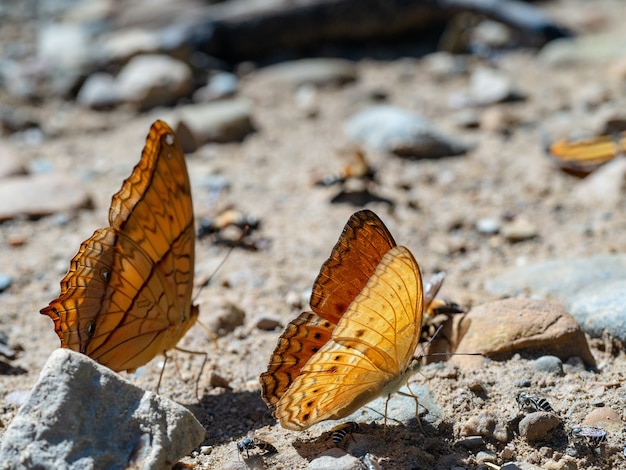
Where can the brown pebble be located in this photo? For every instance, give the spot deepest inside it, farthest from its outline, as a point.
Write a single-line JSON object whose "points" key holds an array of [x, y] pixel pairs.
{"points": [[606, 418], [502, 328], [535, 426], [267, 323], [216, 380]]}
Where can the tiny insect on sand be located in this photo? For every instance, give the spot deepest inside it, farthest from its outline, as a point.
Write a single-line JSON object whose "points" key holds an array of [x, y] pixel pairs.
{"points": [[593, 437], [251, 441], [341, 431], [528, 400]]}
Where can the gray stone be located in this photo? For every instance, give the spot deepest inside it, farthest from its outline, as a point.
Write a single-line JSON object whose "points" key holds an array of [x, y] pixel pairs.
{"points": [[490, 86], [40, 195], [561, 278], [592, 49], [335, 459], [600, 307], [220, 85], [401, 408], [5, 282], [550, 364], [591, 289], [318, 72], [396, 130], [222, 121], [120, 46], [98, 91], [154, 80], [82, 415]]}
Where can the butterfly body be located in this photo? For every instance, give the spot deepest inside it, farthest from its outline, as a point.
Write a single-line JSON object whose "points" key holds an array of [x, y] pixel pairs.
{"points": [[127, 294], [359, 342]]}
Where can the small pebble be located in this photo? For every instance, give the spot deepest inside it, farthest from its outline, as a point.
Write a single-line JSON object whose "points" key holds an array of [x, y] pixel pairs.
{"points": [[216, 380], [519, 230], [5, 282], [535, 426], [605, 417], [471, 442], [206, 450], [550, 364], [484, 456], [488, 226], [267, 323]]}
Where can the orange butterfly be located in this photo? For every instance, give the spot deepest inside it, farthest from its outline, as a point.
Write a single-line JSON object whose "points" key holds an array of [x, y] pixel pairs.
{"points": [[359, 341], [127, 295], [583, 156]]}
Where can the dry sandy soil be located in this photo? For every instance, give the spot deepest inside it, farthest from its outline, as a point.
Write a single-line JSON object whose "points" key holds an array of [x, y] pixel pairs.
{"points": [[436, 204]]}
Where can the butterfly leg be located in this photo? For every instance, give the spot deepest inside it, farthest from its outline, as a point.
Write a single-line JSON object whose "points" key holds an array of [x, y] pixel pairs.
{"points": [[165, 359], [417, 406], [385, 420], [205, 357]]}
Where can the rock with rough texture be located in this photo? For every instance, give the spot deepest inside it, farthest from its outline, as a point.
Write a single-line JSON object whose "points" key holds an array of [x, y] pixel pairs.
{"points": [[40, 195], [592, 289], [396, 130], [336, 459], [520, 325], [535, 426], [601, 307], [153, 80], [560, 277], [222, 121], [318, 72], [82, 415], [485, 424], [605, 417]]}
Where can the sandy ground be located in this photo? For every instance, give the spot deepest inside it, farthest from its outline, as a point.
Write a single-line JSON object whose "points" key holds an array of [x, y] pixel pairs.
{"points": [[436, 204]]}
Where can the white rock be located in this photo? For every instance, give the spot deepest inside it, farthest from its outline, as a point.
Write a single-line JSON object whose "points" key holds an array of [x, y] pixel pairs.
{"points": [[82, 415], [154, 80], [98, 91], [221, 121]]}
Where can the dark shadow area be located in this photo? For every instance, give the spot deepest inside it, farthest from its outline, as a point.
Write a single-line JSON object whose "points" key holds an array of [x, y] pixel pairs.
{"points": [[228, 416], [359, 198]]}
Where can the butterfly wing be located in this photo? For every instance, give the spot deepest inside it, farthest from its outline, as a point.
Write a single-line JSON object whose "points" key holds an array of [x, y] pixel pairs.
{"points": [[369, 352], [360, 248], [302, 338], [127, 295]]}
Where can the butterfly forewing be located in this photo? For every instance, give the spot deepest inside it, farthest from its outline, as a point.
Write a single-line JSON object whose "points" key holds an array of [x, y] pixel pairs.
{"points": [[360, 248], [127, 296]]}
